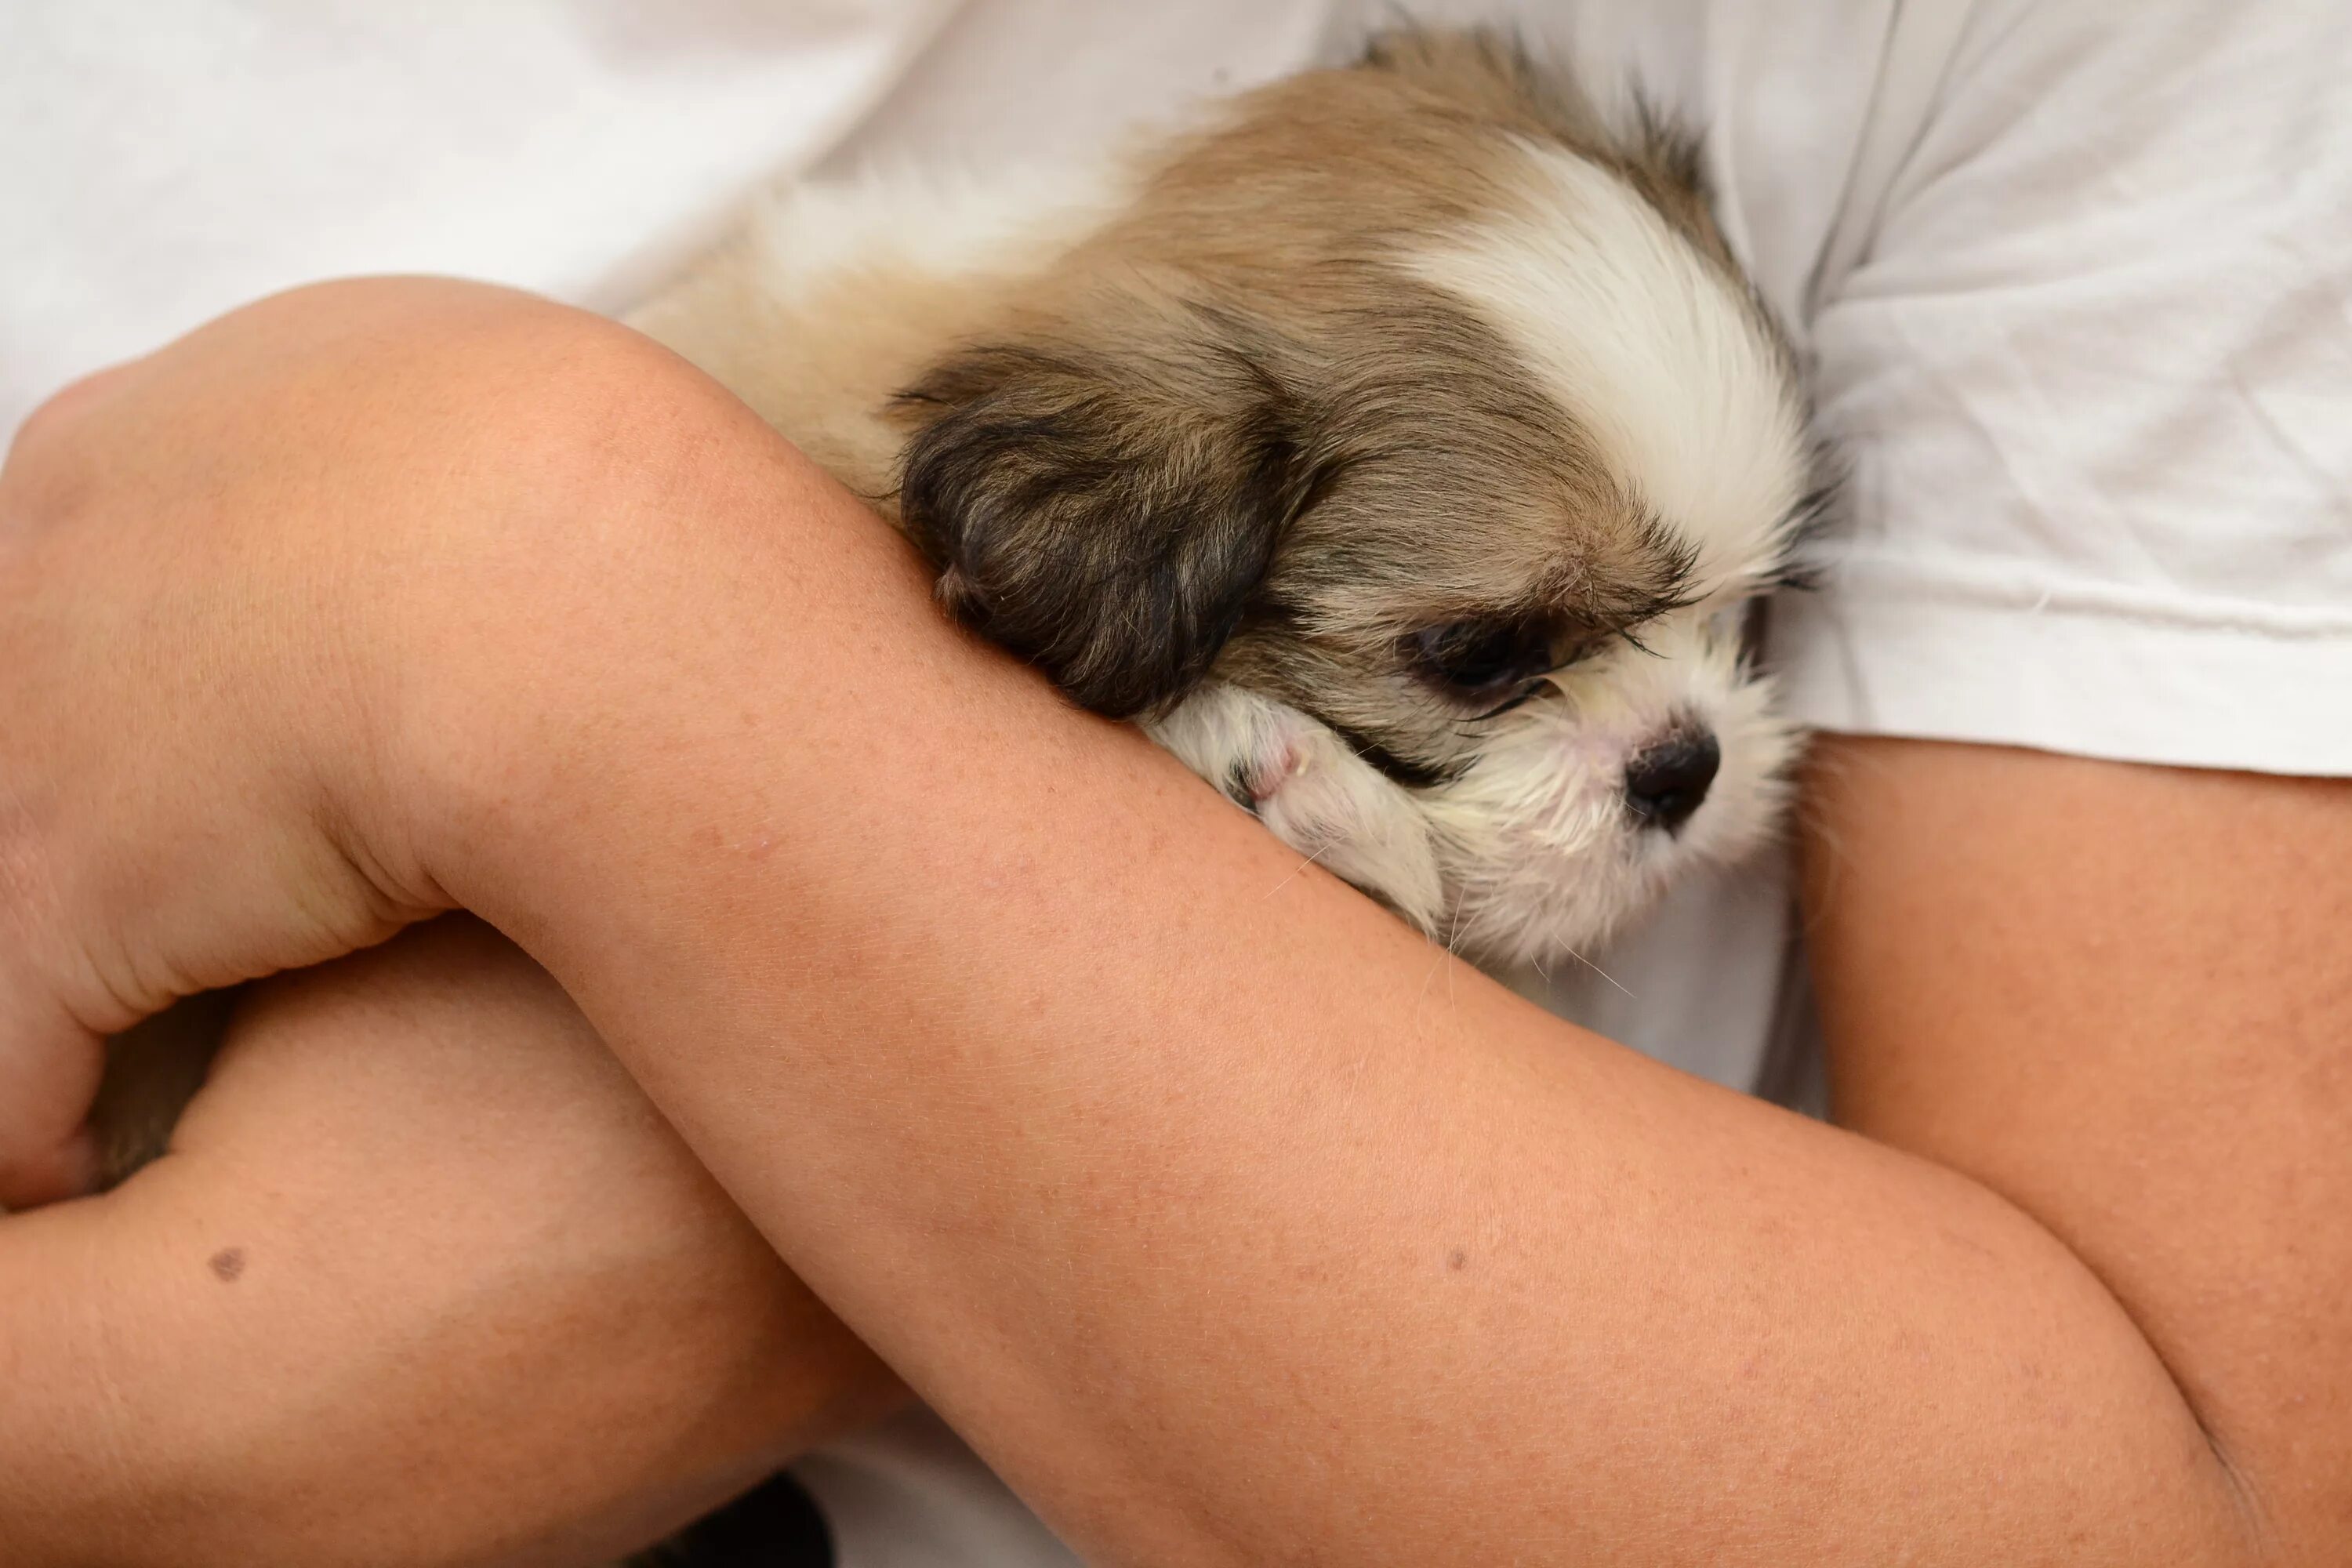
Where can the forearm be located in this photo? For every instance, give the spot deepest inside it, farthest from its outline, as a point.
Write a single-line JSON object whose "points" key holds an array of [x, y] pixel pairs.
{"points": [[1232, 1221], [324, 1332]]}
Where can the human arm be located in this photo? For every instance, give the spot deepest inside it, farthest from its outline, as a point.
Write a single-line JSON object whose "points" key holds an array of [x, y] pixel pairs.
{"points": [[2055, 1427], [423, 1281], [2131, 1017], [1192, 1245], [1144, 1153]]}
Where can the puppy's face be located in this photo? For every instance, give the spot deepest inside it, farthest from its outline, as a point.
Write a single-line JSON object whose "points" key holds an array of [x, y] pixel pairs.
{"points": [[1405, 454]]}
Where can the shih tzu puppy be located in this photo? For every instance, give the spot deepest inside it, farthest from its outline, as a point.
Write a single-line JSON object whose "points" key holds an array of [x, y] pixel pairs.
{"points": [[1401, 446]]}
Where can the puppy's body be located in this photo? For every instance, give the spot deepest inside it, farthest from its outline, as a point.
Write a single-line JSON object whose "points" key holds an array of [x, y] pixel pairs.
{"points": [[1398, 443]]}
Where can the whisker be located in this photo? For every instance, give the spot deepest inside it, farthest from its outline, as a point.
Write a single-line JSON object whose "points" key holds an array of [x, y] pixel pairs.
{"points": [[1302, 866], [1434, 964], [1601, 971], [1453, 937]]}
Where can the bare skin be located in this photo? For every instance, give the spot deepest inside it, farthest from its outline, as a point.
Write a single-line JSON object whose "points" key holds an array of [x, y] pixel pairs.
{"points": [[424, 1281], [1229, 1221]]}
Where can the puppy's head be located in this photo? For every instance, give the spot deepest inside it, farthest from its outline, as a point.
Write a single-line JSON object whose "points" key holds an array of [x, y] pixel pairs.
{"points": [[1404, 454]]}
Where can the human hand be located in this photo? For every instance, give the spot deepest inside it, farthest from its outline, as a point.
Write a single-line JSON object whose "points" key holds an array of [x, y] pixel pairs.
{"points": [[218, 566], [419, 1238]]}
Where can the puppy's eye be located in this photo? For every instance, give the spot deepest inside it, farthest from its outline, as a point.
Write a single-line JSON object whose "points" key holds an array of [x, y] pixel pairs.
{"points": [[1483, 657]]}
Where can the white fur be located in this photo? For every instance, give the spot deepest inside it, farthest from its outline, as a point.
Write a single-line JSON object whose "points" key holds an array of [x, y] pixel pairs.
{"points": [[1654, 350], [945, 223]]}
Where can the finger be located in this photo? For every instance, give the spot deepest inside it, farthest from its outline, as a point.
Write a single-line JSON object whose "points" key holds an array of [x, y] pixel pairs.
{"points": [[49, 1068], [67, 1170]]}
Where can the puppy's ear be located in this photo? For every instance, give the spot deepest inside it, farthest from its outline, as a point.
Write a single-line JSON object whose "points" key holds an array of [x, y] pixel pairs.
{"points": [[1105, 512]]}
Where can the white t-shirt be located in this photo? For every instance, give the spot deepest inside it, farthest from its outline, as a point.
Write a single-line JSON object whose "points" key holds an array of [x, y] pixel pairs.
{"points": [[2071, 279]]}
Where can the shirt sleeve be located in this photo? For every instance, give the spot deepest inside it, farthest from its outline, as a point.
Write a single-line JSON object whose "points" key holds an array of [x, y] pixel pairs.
{"points": [[2090, 376]]}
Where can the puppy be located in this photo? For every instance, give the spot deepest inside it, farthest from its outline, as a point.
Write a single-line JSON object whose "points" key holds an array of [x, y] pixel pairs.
{"points": [[1400, 446]]}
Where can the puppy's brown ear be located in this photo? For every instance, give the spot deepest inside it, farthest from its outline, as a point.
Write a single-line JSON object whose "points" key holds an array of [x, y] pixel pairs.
{"points": [[1104, 512]]}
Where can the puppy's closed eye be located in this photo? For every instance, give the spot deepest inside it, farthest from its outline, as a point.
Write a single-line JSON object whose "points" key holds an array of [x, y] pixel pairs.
{"points": [[1483, 658], [1104, 511]]}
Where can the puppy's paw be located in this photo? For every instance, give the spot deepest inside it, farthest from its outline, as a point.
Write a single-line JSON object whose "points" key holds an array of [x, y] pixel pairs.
{"points": [[1305, 783]]}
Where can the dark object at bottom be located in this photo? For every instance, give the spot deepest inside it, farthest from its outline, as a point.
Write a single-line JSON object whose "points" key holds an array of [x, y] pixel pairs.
{"points": [[774, 1525]]}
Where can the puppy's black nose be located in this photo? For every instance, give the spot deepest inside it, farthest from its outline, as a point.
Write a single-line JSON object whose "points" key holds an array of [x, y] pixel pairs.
{"points": [[1666, 784]]}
